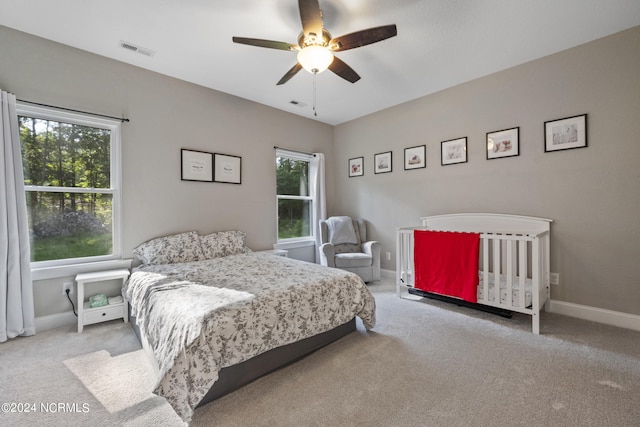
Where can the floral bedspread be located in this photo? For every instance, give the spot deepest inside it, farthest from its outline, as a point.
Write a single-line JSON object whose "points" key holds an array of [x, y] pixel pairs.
{"points": [[200, 317]]}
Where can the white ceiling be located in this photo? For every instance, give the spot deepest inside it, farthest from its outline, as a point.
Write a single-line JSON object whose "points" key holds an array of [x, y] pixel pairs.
{"points": [[440, 43]]}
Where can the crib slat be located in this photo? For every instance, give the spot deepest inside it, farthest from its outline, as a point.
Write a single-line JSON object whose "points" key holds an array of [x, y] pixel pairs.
{"points": [[496, 269], [485, 267], [522, 255], [510, 250]]}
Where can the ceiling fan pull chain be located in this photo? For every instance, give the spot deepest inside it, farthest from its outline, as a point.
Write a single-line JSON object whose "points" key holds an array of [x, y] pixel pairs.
{"points": [[315, 113]]}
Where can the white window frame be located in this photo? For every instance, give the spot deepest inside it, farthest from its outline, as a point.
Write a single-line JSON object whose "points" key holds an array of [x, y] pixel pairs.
{"points": [[56, 268], [294, 155]]}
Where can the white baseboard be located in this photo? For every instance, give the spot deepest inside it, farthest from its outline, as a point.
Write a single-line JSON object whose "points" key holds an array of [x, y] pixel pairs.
{"points": [[44, 323], [594, 314]]}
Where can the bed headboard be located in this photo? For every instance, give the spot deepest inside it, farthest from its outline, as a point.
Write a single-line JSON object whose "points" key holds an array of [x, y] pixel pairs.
{"points": [[487, 223]]}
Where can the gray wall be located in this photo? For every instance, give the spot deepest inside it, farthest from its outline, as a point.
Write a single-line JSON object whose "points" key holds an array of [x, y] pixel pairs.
{"points": [[166, 115], [592, 194]]}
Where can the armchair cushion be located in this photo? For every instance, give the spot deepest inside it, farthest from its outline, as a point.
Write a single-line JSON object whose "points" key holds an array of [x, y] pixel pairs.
{"points": [[352, 260]]}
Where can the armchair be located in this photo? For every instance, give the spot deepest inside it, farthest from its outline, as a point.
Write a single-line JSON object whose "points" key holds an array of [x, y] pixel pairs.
{"points": [[344, 245]]}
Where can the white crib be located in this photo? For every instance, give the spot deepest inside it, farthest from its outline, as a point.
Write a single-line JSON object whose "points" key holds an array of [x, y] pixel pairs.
{"points": [[514, 253]]}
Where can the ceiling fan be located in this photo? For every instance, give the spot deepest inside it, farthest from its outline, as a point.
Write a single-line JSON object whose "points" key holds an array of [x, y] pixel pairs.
{"points": [[316, 45]]}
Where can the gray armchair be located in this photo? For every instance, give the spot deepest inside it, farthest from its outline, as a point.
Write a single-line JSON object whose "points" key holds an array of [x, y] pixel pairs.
{"points": [[344, 245]]}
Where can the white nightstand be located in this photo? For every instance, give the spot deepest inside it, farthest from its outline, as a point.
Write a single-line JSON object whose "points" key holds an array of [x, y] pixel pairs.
{"points": [[88, 315]]}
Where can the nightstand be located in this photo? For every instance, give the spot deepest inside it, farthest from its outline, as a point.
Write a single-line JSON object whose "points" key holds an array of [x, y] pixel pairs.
{"points": [[88, 315]]}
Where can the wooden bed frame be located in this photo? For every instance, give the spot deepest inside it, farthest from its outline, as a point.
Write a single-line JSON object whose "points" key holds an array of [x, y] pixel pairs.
{"points": [[234, 377], [513, 248]]}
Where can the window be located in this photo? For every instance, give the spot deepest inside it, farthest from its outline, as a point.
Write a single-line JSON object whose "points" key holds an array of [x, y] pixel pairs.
{"points": [[72, 184], [294, 199]]}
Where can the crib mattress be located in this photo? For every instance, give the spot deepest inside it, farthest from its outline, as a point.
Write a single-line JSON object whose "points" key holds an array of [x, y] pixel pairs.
{"points": [[515, 290]]}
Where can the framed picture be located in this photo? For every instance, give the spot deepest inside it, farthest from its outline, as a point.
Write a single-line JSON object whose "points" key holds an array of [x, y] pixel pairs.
{"points": [[227, 168], [503, 143], [356, 166], [196, 165], [564, 134], [382, 162], [415, 157], [454, 151]]}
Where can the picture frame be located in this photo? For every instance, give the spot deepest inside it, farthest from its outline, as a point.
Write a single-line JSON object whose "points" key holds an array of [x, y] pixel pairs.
{"points": [[453, 151], [356, 167], [503, 143], [196, 165], [565, 134], [382, 162], [227, 169], [415, 157]]}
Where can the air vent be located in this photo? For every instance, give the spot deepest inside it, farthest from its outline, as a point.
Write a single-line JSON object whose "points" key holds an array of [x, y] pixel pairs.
{"points": [[297, 103], [138, 49]]}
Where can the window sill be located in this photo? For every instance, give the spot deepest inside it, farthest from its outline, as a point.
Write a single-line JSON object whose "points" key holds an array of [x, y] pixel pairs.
{"points": [[294, 243], [73, 269]]}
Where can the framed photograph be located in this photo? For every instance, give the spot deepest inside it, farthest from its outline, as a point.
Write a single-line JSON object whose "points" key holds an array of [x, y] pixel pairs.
{"points": [[356, 166], [382, 162], [196, 165], [503, 143], [454, 151], [227, 169], [564, 134], [415, 157]]}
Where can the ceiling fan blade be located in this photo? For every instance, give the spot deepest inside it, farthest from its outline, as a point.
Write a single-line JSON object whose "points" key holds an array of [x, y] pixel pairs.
{"points": [[363, 37], [311, 17], [292, 72], [265, 43], [343, 70]]}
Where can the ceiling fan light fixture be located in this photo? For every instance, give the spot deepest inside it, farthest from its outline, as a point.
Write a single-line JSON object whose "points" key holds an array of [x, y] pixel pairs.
{"points": [[316, 45], [315, 59]]}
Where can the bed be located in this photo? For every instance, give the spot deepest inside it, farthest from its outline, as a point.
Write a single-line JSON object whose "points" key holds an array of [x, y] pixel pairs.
{"points": [[513, 260], [214, 321]]}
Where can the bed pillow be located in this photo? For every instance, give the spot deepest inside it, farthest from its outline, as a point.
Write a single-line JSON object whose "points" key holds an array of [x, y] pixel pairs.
{"points": [[183, 247], [223, 243]]}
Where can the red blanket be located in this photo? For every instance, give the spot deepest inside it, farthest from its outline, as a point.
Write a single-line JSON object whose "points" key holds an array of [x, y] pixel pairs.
{"points": [[447, 263]]}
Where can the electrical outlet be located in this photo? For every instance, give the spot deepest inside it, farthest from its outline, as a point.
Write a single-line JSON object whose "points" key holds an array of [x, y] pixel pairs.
{"points": [[388, 255], [555, 278], [65, 286]]}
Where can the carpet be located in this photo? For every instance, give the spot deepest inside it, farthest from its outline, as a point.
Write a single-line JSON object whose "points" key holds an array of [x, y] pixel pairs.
{"points": [[426, 363]]}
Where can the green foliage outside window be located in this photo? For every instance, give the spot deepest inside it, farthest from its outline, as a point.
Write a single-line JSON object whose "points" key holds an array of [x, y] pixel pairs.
{"points": [[67, 221], [294, 202]]}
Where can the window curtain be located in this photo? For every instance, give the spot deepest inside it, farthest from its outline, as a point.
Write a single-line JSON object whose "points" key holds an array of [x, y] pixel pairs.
{"points": [[316, 182], [16, 291]]}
